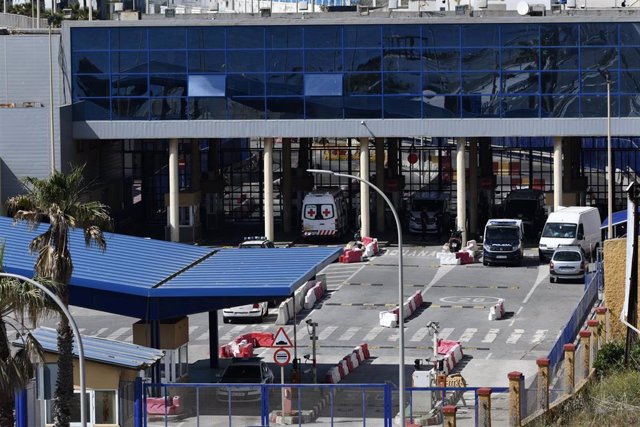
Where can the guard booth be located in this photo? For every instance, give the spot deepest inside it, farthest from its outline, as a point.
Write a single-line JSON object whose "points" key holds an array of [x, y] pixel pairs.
{"points": [[188, 217]]}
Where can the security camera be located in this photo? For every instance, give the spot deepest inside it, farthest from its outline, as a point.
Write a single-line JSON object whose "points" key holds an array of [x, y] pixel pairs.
{"points": [[362, 122], [308, 321]]}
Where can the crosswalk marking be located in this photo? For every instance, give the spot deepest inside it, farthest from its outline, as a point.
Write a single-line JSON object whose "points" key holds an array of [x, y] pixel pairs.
{"points": [[232, 333], [101, 331], [394, 337], [515, 336], [419, 335], [192, 329], [203, 337], [491, 335], [373, 333], [468, 334], [119, 332], [539, 336], [349, 333], [445, 332], [324, 334]]}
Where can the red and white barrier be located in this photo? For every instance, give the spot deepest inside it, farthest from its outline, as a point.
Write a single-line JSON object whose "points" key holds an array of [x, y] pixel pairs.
{"points": [[389, 319], [451, 352], [243, 345], [347, 364], [496, 311], [351, 255], [313, 295], [332, 376], [290, 306], [370, 246]]}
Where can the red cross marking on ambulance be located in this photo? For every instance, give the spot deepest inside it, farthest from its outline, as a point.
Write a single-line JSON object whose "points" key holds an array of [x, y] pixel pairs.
{"points": [[311, 213], [326, 212]]}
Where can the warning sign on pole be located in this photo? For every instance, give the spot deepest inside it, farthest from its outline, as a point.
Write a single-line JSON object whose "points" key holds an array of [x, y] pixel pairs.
{"points": [[281, 339]]}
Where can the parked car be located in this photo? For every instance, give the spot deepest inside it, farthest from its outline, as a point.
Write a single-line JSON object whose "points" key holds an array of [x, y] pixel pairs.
{"points": [[567, 262], [256, 242], [255, 312], [250, 370]]}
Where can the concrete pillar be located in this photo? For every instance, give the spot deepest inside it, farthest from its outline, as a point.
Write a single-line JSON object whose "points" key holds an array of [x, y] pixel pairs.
{"points": [[461, 219], [174, 191], [286, 186], [196, 168], [473, 187], [449, 412], [268, 188], [392, 166], [380, 204], [602, 318], [213, 339], [543, 383], [569, 368], [585, 340], [365, 220], [515, 398], [484, 407], [594, 327], [557, 173]]}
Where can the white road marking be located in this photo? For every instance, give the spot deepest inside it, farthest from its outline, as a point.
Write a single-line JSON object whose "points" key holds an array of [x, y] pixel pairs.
{"points": [[373, 333], [468, 334], [491, 335], [445, 332], [419, 335], [543, 272], [488, 356], [539, 336], [101, 331], [440, 273], [324, 334], [394, 337], [192, 329], [203, 337], [119, 332], [232, 333], [515, 336], [349, 333]]}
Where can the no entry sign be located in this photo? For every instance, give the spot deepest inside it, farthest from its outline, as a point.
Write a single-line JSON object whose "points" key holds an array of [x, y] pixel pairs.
{"points": [[282, 357]]}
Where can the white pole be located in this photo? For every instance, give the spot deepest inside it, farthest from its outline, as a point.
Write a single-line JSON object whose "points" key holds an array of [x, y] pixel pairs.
{"points": [[76, 332], [51, 135], [609, 163], [557, 173], [174, 192], [268, 189], [365, 219], [400, 281], [461, 193]]}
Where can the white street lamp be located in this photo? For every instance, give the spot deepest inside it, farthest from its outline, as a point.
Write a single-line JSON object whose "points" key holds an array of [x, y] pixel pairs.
{"points": [[51, 134], [607, 76], [400, 281], [76, 332]]}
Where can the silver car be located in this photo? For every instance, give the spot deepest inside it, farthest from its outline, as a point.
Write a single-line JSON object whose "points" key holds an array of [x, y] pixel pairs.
{"points": [[567, 262]]}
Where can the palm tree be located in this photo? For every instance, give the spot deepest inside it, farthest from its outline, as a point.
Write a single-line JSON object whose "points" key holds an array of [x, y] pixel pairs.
{"points": [[17, 300], [58, 201]]}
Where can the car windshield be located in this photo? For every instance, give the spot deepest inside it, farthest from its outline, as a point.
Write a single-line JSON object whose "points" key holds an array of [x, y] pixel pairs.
{"points": [[242, 374], [559, 230], [502, 233], [567, 256], [429, 205]]}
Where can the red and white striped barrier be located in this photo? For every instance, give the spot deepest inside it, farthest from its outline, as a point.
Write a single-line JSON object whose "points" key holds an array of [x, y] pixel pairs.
{"points": [[370, 246], [243, 345], [347, 364], [290, 306], [451, 352], [313, 295], [389, 319], [496, 311]]}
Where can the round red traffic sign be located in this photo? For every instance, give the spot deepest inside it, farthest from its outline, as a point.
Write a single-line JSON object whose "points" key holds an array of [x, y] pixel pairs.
{"points": [[282, 357], [412, 158]]}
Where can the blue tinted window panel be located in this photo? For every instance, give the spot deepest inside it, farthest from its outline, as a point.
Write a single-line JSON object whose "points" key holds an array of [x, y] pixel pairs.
{"points": [[207, 85], [323, 60], [90, 62], [402, 83], [525, 106], [245, 37], [594, 82], [89, 39], [168, 108], [285, 84], [129, 38], [130, 108], [402, 107], [520, 59], [363, 83], [596, 106], [630, 81], [520, 83], [599, 58], [560, 105], [245, 108], [441, 60], [401, 36], [630, 106], [362, 107], [519, 35], [402, 60], [283, 37], [206, 61], [129, 85], [441, 36], [362, 59], [559, 34], [441, 83], [92, 109], [324, 107], [323, 37], [480, 83], [285, 108], [480, 59], [285, 61], [566, 58], [323, 84], [96, 85], [245, 85], [205, 37], [168, 85], [598, 34], [130, 62], [630, 34], [441, 107], [170, 61], [239, 61], [630, 58], [208, 108], [480, 35], [167, 38], [480, 106], [362, 36], [559, 82]]}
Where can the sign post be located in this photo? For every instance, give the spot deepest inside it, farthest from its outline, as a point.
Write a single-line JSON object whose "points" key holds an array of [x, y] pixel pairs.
{"points": [[282, 357]]}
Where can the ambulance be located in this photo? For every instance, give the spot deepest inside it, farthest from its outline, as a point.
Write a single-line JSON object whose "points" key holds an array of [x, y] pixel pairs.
{"points": [[325, 213]]}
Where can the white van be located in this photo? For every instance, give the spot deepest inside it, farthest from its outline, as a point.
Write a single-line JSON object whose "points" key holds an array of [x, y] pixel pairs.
{"points": [[325, 213], [573, 225]]}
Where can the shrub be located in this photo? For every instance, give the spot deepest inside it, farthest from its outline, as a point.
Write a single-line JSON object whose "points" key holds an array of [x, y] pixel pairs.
{"points": [[610, 358]]}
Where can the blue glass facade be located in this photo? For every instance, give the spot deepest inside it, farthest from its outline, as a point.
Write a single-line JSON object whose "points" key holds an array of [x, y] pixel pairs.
{"points": [[356, 71]]}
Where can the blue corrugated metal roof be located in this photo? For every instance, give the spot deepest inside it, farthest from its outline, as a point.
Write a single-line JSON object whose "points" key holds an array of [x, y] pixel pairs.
{"points": [[102, 350], [619, 217]]}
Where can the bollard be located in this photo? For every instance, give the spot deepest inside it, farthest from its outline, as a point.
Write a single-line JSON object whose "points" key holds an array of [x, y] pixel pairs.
{"points": [[515, 398], [484, 407], [543, 383], [585, 340], [602, 317], [593, 325], [569, 368], [449, 412]]}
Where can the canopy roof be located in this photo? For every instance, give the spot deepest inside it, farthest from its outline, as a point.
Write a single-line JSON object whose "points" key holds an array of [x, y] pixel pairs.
{"points": [[619, 217]]}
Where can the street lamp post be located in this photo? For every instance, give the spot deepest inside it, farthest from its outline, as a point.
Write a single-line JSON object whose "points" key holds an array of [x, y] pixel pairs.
{"points": [[76, 332], [607, 76], [401, 385], [51, 122]]}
